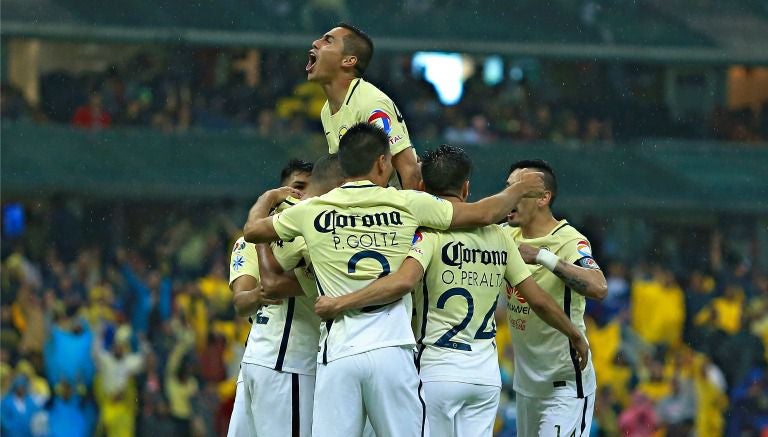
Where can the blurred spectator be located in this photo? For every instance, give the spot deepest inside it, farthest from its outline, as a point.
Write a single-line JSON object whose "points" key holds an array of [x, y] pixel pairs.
{"points": [[180, 384], [658, 308], [67, 416], [640, 419], [92, 115], [18, 409]]}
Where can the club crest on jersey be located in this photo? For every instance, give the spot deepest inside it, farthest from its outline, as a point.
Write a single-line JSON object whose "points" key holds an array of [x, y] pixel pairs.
{"points": [[237, 263], [342, 131], [583, 248], [380, 119]]}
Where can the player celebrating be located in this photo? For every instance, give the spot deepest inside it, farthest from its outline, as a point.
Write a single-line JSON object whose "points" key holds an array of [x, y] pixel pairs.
{"points": [[463, 271], [554, 396], [337, 62], [279, 358], [355, 234]]}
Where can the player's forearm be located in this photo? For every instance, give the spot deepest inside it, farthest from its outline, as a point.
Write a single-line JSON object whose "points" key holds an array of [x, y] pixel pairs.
{"points": [[486, 211], [407, 167], [379, 292], [253, 229], [589, 283], [246, 302], [277, 283]]}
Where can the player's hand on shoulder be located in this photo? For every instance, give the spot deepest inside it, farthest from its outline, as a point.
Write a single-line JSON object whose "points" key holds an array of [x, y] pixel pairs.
{"points": [[530, 183], [277, 195], [582, 350], [326, 307], [528, 253]]}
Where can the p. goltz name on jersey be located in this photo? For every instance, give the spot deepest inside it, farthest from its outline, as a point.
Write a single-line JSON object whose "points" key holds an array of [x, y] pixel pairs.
{"points": [[332, 222], [458, 255]]}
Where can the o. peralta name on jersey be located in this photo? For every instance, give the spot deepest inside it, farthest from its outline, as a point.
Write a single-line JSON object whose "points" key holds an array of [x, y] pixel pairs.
{"points": [[455, 254], [329, 221]]}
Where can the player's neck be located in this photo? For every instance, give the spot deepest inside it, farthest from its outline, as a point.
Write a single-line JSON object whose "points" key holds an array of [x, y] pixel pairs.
{"points": [[336, 91], [540, 226], [375, 178]]}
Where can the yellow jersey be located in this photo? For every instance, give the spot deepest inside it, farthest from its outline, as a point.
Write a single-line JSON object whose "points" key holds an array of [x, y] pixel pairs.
{"points": [[465, 270], [545, 363], [355, 234]]}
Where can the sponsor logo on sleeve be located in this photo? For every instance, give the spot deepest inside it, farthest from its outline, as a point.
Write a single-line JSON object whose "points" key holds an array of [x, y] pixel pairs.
{"points": [[588, 263], [417, 237], [583, 248], [380, 119], [239, 246]]}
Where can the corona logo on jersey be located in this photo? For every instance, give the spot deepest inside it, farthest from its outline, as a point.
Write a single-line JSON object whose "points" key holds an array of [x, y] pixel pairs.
{"points": [[328, 221], [381, 120], [583, 248], [512, 291], [456, 254]]}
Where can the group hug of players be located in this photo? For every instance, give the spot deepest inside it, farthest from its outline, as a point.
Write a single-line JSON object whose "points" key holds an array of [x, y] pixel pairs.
{"points": [[373, 308]]}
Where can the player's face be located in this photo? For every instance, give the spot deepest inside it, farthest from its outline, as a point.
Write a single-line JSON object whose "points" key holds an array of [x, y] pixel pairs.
{"points": [[326, 55], [298, 180], [525, 209]]}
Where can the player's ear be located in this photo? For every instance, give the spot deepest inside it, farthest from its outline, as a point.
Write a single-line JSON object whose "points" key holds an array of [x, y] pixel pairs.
{"points": [[465, 190], [545, 199], [349, 61], [421, 186]]}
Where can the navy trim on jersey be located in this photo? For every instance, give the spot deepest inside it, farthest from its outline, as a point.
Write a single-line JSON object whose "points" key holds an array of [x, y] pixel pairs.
{"points": [[561, 227], [295, 406], [359, 186], [584, 416], [424, 313], [328, 324], [353, 91], [286, 334], [288, 202], [423, 409], [574, 358]]}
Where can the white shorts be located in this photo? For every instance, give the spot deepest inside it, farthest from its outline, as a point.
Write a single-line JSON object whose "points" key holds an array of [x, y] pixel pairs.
{"points": [[277, 403], [461, 409], [241, 421], [381, 383], [557, 416]]}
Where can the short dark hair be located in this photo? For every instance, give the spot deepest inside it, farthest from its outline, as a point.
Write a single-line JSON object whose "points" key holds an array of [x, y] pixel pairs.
{"points": [[360, 147], [358, 44], [327, 171], [293, 166], [550, 180], [445, 169]]}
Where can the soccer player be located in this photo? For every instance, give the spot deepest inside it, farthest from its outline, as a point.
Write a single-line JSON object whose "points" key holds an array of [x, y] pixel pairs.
{"points": [[264, 353], [463, 272], [355, 234], [555, 397], [337, 62]]}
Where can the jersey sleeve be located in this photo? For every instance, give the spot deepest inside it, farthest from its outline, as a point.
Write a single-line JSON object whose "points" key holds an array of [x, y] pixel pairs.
{"points": [[430, 211], [516, 270], [243, 261], [578, 251], [289, 254], [382, 112], [287, 223], [423, 247]]}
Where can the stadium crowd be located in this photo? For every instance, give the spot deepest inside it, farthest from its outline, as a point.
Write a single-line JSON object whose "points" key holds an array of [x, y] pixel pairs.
{"points": [[254, 91], [128, 329]]}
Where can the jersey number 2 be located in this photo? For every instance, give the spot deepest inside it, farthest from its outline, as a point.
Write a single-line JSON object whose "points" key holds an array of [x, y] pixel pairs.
{"points": [[445, 339]]}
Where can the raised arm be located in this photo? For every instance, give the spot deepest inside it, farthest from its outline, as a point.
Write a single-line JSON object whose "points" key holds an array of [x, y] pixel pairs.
{"points": [[550, 312], [494, 208], [588, 282], [407, 168], [276, 282], [379, 292], [259, 228]]}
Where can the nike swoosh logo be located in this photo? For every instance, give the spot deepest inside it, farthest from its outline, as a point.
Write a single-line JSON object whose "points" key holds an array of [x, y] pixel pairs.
{"points": [[327, 133]]}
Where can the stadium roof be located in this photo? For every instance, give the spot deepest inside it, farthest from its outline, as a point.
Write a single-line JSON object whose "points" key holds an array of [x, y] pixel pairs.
{"points": [[644, 30]]}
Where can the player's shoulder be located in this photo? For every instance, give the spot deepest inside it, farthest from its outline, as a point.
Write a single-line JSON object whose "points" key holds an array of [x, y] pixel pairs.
{"points": [[369, 90], [565, 231], [513, 231]]}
